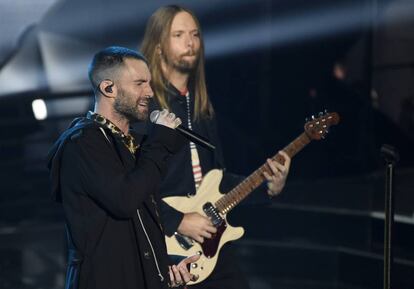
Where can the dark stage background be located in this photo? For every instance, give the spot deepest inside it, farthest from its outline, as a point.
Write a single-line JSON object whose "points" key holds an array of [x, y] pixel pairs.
{"points": [[270, 65]]}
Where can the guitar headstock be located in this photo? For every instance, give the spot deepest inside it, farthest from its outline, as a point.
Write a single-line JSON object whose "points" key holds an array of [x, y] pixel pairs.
{"points": [[318, 127]]}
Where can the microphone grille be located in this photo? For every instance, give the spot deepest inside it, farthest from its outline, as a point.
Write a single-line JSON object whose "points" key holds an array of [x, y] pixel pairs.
{"points": [[154, 115]]}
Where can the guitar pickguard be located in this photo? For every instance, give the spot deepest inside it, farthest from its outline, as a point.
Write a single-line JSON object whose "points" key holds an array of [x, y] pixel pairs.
{"points": [[210, 246]]}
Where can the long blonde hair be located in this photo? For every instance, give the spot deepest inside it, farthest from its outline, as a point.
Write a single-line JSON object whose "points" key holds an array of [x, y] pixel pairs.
{"points": [[156, 35]]}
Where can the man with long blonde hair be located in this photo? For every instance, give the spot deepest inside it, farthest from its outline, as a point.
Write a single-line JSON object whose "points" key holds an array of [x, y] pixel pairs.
{"points": [[173, 45]]}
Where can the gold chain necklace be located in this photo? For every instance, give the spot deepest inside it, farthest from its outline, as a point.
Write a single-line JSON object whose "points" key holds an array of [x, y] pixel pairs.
{"points": [[127, 140]]}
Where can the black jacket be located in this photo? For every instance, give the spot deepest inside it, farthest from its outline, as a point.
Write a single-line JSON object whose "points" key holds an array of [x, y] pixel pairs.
{"points": [[109, 199], [179, 180]]}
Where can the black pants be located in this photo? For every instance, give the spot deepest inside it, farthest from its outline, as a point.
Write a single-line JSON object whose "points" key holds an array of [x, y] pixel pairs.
{"points": [[226, 274]]}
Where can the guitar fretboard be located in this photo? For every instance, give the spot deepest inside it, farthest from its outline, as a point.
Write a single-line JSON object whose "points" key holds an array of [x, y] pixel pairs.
{"points": [[242, 190]]}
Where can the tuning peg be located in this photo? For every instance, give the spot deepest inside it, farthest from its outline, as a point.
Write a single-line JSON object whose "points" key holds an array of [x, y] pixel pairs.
{"points": [[313, 117], [306, 119], [321, 113], [325, 111]]}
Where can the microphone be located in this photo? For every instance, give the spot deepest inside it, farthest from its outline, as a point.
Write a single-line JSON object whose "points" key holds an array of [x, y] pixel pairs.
{"points": [[390, 153], [187, 133]]}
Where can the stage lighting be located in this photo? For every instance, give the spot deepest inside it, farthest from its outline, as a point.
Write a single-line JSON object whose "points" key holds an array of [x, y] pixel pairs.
{"points": [[39, 109]]}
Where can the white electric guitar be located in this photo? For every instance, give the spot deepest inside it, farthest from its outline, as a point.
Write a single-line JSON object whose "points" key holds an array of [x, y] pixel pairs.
{"points": [[210, 202]]}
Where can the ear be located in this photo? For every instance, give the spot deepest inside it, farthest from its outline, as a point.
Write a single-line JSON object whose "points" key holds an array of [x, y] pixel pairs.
{"points": [[107, 88], [159, 50]]}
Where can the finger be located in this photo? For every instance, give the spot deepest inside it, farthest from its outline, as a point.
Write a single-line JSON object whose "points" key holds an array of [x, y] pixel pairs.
{"points": [[267, 176], [272, 166], [199, 239], [177, 122], [277, 176], [211, 229], [278, 166], [172, 282], [171, 115], [276, 186], [185, 275], [206, 221], [172, 279], [190, 259], [281, 169], [187, 261], [271, 188], [274, 181], [177, 275], [164, 112], [206, 234], [286, 157]]}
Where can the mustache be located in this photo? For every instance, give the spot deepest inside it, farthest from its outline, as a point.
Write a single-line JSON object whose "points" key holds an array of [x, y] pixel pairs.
{"points": [[147, 99], [189, 53]]}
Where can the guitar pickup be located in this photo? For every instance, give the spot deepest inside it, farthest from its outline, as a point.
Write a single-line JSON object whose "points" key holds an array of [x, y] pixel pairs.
{"points": [[213, 214], [185, 242]]}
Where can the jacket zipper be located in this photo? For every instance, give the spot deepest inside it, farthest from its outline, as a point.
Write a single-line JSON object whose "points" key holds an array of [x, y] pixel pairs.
{"points": [[152, 249]]}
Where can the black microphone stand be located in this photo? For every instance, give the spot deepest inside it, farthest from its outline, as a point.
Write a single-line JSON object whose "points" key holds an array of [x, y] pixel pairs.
{"points": [[391, 157]]}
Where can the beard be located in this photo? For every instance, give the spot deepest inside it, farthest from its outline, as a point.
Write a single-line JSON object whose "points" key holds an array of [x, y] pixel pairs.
{"points": [[129, 109], [182, 65]]}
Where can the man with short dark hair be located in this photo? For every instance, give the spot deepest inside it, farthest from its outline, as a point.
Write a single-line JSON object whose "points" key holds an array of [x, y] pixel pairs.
{"points": [[107, 181]]}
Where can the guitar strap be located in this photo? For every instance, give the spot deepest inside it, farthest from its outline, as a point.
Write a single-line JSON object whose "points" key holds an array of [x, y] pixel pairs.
{"points": [[195, 159]]}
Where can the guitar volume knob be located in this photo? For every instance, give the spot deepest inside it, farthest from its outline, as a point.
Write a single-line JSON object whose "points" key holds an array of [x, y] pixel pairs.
{"points": [[194, 278]]}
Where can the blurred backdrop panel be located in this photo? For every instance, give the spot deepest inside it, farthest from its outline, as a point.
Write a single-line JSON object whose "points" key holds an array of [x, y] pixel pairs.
{"points": [[270, 65]]}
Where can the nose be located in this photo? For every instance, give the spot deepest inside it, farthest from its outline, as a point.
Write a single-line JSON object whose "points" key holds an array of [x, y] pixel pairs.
{"points": [[148, 92], [190, 41]]}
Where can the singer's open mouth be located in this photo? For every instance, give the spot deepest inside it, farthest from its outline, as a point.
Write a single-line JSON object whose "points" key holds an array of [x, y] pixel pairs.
{"points": [[143, 104]]}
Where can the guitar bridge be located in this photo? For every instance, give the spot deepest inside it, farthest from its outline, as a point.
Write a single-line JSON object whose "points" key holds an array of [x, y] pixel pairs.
{"points": [[213, 214]]}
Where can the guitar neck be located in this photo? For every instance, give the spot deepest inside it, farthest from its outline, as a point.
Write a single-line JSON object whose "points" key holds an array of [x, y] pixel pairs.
{"points": [[241, 191]]}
